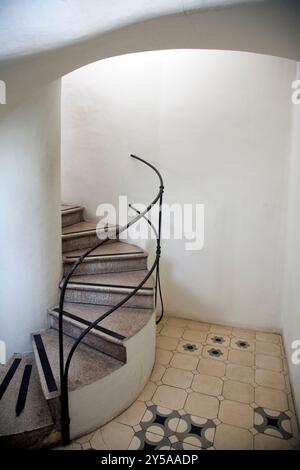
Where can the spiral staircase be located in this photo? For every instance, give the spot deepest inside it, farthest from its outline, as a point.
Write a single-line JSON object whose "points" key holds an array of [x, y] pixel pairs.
{"points": [[111, 364]]}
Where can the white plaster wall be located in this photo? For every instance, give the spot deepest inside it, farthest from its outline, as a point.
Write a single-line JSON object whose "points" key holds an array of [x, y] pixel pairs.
{"points": [[30, 250], [217, 125], [291, 292]]}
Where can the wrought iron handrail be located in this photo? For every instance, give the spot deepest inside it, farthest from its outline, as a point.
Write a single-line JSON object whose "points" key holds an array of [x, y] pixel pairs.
{"points": [[65, 366]]}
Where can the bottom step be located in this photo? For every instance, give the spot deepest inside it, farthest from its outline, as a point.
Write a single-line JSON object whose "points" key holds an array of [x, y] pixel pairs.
{"points": [[25, 420]]}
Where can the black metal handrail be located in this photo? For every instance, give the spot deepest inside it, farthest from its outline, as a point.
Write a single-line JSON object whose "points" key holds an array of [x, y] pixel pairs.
{"points": [[65, 366]]}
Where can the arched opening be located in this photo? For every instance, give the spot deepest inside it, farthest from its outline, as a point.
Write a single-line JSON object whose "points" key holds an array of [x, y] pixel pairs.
{"points": [[256, 180], [217, 123]]}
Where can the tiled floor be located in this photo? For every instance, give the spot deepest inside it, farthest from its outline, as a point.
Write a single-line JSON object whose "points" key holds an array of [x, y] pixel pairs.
{"points": [[212, 387]]}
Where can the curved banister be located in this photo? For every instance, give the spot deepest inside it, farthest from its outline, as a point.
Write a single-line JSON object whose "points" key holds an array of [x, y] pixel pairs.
{"points": [[147, 220], [64, 366]]}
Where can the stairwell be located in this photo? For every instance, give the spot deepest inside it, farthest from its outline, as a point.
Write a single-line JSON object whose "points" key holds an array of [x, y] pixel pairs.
{"points": [[110, 369]]}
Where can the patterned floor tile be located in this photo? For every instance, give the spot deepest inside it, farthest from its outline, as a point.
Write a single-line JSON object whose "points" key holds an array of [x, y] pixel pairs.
{"points": [[271, 399], [194, 335], [177, 377], [242, 344], [190, 347], [144, 440], [171, 397], [184, 361], [212, 387], [215, 352], [211, 367], [164, 429], [268, 348], [172, 331], [218, 340], [195, 431], [274, 423]]}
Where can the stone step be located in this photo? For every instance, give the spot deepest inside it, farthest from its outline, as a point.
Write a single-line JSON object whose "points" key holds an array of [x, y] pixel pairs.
{"points": [[33, 426], [71, 214], [110, 333], [84, 235], [110, 289], [87, 366], [108, 258]]}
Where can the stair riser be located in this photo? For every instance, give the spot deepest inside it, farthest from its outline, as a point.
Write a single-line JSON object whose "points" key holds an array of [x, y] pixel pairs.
{"points": [[77, 243], [114, 350], [112, 266], [52, 397], [70, 219], [54, 407], [107, 298]]}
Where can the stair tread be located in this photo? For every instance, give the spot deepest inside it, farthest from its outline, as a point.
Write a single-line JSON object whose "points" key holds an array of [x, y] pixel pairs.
{"points": [[84, 228], [69, 208], [126, 279], [124, 321], [87, 366], [108, 249], [36, 414]]}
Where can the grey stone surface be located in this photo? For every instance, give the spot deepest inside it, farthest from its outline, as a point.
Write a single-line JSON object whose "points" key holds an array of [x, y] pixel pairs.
{"points": [[71, 215], [109, 264], [124, 279], [87, 366], [81, 227], [111, 288], [104, 295], [110, 249], [36, 415], [84, 236], [108, 258], [125, 321], [108, 345]]}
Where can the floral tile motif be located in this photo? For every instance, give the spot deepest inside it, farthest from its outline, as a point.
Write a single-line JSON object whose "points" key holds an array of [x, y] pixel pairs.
{"points": [[215, 352], [144, 440], [225, 368], [218, 339], [274, 423], [190, 347], [195, 431], [160, 420], [166, 429], [242, 344]]}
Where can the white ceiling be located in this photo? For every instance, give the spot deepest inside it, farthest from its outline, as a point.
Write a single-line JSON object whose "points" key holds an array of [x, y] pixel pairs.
{"points": [[30, 26]]}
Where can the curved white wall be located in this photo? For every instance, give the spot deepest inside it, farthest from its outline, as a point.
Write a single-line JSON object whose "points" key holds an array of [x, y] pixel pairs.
{"points": [[217, 124], [30, 264]]}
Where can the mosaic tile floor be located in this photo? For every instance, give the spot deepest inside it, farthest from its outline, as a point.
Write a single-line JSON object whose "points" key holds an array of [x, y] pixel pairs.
{"points": [[212, 387]]}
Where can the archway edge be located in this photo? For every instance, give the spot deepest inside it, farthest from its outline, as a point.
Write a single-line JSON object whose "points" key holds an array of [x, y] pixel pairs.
{"points": [[251, 27]]}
